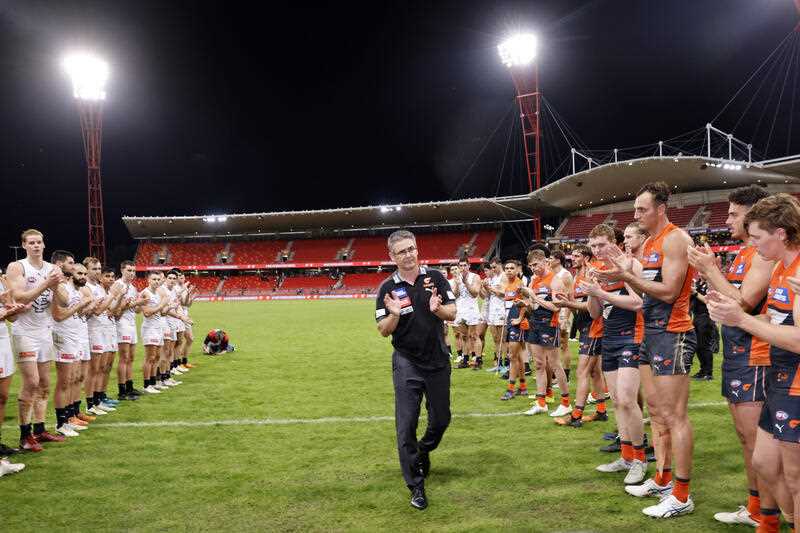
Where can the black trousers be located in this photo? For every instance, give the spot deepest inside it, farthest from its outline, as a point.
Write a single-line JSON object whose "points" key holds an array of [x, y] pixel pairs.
{"points": [[410, 384], [707, 343]]}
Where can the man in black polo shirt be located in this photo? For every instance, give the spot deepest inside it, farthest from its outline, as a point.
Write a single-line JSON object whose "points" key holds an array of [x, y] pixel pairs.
{"points": [[411, 307]]}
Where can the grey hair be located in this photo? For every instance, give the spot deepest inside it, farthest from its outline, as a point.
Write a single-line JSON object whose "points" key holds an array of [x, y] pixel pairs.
{"points": [[398, 236]]}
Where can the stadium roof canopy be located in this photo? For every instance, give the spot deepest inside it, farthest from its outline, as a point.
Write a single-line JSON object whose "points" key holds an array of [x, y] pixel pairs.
{"points": [[604, 184]]}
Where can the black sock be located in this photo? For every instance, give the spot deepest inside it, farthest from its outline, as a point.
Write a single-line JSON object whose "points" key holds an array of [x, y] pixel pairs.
{"points": [[129, 386], [184, 361], [103, 395], [146, 382], [121, 387], [97, 397], [38, 428], [89, 402], [24, 431], [566, 371], [61, 417]]}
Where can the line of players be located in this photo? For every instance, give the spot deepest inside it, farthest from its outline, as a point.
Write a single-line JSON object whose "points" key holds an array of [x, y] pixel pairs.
{"points": [[80, 316], [631, 300]]}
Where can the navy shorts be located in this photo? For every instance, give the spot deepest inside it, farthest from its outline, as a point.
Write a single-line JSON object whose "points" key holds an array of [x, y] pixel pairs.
{"points": [[780, 416], [591, 346], [543, 335], [667, 353], [744, 384], [620, 352], [514, 334]]}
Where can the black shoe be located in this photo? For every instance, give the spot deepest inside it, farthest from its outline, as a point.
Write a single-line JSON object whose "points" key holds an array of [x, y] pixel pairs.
{"points": [[423, 463], [5, 450], [129, 397], [701, 376], [504, 376], [614, 447], [600, 417], [478, 363], [528, 370], [418, 498], [611, 435], [651, 458], [135, 392], [463, 363]]}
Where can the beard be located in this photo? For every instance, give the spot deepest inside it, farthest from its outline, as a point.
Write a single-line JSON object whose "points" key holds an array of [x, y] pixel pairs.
{"points": [[78, 282]]}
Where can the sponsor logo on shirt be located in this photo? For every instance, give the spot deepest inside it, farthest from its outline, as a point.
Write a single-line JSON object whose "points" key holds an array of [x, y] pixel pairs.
{"points": [[653, 257], [781, 294]]}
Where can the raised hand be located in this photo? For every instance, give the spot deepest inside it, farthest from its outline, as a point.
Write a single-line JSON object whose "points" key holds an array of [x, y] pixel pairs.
{"points": [[701, 258], [724, 309], [436, 300]]}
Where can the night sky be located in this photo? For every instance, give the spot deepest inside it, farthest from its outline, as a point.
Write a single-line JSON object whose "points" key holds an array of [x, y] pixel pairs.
{"points": [[222, 107]]}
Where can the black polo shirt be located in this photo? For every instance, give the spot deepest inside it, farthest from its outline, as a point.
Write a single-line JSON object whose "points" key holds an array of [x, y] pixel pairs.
{"points": [[419, 335]]}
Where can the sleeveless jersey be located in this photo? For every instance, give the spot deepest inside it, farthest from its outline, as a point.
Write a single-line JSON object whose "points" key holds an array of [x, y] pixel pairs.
{"points": [[495, 303], [740, 349], [584, 320], [660, 316], [153, 300], [3, 326], [511, 295], [128, 316], [465, 300], [102, 320], [72, 327], [621, 322], [780, 304], [541, 287], [39, 317]]}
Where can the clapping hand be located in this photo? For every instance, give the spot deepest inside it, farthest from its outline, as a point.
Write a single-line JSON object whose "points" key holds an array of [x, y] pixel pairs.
{"points": [[436, 300], [392, 304], [724, 309]]}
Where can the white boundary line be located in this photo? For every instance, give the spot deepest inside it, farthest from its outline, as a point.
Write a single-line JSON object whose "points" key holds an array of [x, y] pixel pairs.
{"points": [[301, 421]]}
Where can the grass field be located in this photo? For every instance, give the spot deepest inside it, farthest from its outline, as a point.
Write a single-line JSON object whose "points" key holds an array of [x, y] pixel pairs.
{"points": [[294, 431]]}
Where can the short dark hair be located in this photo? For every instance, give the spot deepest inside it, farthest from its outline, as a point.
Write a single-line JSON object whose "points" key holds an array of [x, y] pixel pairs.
{"points": [[540, 246], [174, 271], [619, 235], [514, 262], [107, 269], [584, 250], [747, 196], [495, 261], [126, 263], [560, 256], [658, 189], [61, 255]]}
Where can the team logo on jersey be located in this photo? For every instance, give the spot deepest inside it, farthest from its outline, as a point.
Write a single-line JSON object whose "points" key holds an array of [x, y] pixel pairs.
{"points": [[657, 358], [31, 279], [740, 269], [627, 353], [405, 300], [735, 384], [653, 257], [739, 349], [782, 376], [781, 415], [781, 294]]}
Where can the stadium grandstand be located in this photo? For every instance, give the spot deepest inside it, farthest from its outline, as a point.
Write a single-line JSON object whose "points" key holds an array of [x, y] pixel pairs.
{"points": [[342, 252]]}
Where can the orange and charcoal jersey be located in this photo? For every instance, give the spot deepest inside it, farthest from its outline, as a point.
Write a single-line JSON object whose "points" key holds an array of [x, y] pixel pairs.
{"points": [[739, 348], [511, 297], [784, 373], [594, 326], [541, 288], [660, 316]]}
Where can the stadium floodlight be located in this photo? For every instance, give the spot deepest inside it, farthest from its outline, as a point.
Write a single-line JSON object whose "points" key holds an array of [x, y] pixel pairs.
{"points": [[89, 75], [518, 50], [222, 218]]}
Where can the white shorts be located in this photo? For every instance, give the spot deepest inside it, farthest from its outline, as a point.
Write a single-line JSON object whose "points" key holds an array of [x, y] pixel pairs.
{"points": [[100, 340], [179, 326], [470, 317], [6, 357], [68, 350], [169, 333], [86, 352], [38, 347], [189, 332], [152, 336], [112, 338], [126, 333], [497, 316]]}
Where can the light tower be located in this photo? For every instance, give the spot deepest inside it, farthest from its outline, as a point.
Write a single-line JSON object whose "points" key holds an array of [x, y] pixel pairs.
{"points": [[518, 53], [89, 75]]}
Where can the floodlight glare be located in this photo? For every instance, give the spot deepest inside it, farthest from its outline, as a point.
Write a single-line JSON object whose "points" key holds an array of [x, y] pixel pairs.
{"points": [[518, 50], [89, 75]]}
